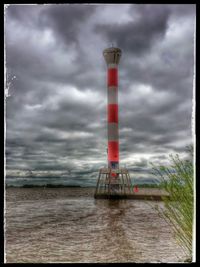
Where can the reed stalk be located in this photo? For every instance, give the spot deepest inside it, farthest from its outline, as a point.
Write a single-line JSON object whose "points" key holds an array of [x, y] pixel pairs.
{"points": [[177, 179]]}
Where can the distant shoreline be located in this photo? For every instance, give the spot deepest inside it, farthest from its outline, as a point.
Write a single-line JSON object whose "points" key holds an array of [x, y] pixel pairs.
{"points": [[74, 186], [42, 186]]}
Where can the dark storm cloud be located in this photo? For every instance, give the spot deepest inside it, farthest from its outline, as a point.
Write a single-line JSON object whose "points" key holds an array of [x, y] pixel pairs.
{"points": [[49, 63], [56, 111], [26, 14], [137, 36], [65, 21]]}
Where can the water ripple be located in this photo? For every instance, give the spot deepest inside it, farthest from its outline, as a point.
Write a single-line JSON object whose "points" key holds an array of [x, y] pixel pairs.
{"points": [[71, 226]]}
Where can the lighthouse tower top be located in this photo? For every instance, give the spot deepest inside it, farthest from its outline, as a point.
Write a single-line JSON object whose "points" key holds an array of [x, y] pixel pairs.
{"points": [[112, 55]]}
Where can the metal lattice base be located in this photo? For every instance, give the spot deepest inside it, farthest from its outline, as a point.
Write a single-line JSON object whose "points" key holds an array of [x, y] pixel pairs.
{"points": [[113, 182]]}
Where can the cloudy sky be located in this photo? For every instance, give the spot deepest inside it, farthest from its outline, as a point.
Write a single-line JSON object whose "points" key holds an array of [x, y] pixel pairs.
{"points": [[57, 98]]}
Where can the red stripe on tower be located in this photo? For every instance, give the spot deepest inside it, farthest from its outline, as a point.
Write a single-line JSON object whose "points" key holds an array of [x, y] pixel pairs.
{"points": [[112, 113], [112, 77], [113, 151]]}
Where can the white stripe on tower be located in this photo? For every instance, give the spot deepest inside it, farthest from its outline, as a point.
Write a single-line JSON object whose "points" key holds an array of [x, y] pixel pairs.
{"points": [[112, 95]]}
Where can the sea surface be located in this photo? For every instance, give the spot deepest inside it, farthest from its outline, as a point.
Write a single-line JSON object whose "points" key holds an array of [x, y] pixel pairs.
{"points": [[68, 225]]}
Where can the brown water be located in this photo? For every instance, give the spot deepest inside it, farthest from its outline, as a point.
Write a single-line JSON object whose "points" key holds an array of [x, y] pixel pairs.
{"points": [[69, 225]]}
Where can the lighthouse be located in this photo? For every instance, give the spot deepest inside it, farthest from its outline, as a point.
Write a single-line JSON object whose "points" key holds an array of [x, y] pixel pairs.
{"points": [[112, 57], [113, 180]]}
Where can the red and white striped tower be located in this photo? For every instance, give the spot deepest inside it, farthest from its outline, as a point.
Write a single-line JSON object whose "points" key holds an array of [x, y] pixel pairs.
{"points": [[113, 181], [112, 56]]}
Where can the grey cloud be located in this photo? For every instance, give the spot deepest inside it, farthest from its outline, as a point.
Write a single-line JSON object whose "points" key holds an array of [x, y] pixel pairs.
{"points": [[138, 35], [182, 10], [65, 21], [27, 14]]}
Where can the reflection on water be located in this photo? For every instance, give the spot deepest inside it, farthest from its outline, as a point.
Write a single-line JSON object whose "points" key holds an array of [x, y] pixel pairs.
{"points": [[53, 226]]}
